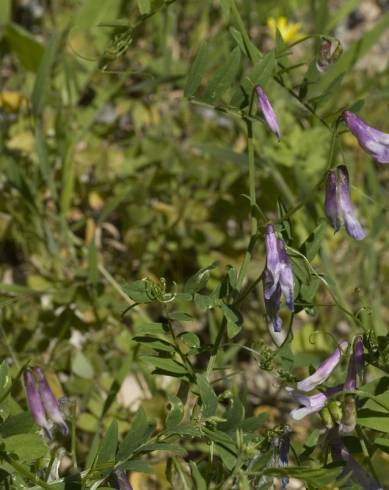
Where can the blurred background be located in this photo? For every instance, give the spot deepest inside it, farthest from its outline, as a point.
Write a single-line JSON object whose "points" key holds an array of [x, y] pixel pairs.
{"points": [[110, 175]]}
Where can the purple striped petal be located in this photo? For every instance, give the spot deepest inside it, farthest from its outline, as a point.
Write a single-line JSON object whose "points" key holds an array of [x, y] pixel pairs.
{"points": [[35, 403], [373, 141], [331, 202], [273, 264], [286, 275], [50, 402], [267, 111], [313, 403], [351, 223], [324, 370]]}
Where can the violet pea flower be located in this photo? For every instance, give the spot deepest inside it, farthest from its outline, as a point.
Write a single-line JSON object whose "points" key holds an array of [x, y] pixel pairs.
{"points": [[313, 403], [35, 403], [338, 207], [278, 278], [50, 402], [373, 141], [121, 480], [267, 111], [358, 474], [324, 370]]}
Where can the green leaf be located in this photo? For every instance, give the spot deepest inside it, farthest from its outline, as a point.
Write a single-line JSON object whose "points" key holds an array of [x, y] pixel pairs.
{"points": [[139, 291], [223, 78], [25, 46], [234, 320], [27, 447], [151, 328], [318, 477], [234, 415], [208, 397], [141, 429], [17, 424], [176, 412], [197, 70], [190, 339], [5, 380], [144, 6], [251, 424], [200, 483], [164, 446], [40, 90], [199, 280], [180, 316], [106, 455], [167, 365], [155, 343], [137, 465], [311, 246], [81, 366]]}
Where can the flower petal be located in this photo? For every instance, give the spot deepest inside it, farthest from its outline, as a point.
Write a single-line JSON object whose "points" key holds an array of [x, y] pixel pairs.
{"points": [[351, 223], [273, 264], [286, 276], [331, 202], [373, 141], [324, 370], [50, 402], [35, 403], [267, 111]]}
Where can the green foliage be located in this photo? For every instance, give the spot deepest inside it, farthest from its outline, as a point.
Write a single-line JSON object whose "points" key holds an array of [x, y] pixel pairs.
{"points": [[137, 179]]}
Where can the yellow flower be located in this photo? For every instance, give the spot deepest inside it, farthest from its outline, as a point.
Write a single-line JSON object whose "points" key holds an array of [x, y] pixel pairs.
{"points": [[289, 31], [11, 101]]}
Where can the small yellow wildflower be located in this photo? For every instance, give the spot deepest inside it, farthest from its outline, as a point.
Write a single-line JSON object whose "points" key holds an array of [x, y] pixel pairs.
{"points": [[290, 31], [11, 101]]}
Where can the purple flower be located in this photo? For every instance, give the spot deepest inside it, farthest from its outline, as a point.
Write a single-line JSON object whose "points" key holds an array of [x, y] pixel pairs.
{"points": [[267, 111], [121, 480], [313, 403], [338, 207], [373, 141], [324, 370], [278, 277], [35, 403], [358, 474], [50, 402]]}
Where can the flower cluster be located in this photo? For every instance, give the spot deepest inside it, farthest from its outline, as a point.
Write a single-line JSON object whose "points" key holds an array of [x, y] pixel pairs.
{"points": [[338, 206], [278, 278], [43, 404], [317, 402]]}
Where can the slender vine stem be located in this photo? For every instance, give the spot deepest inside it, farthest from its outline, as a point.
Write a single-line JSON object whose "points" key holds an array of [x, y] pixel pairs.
{"points": [[26, 473]]}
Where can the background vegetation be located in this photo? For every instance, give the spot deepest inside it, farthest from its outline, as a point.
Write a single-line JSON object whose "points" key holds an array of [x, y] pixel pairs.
{"points": [[126, 131]]}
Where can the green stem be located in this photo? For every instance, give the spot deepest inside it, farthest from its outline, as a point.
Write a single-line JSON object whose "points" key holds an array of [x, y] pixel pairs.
{"points": [[73, 435], [252, 52], [216, 346], [183, 357], [26, 473], [365, 444]]}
